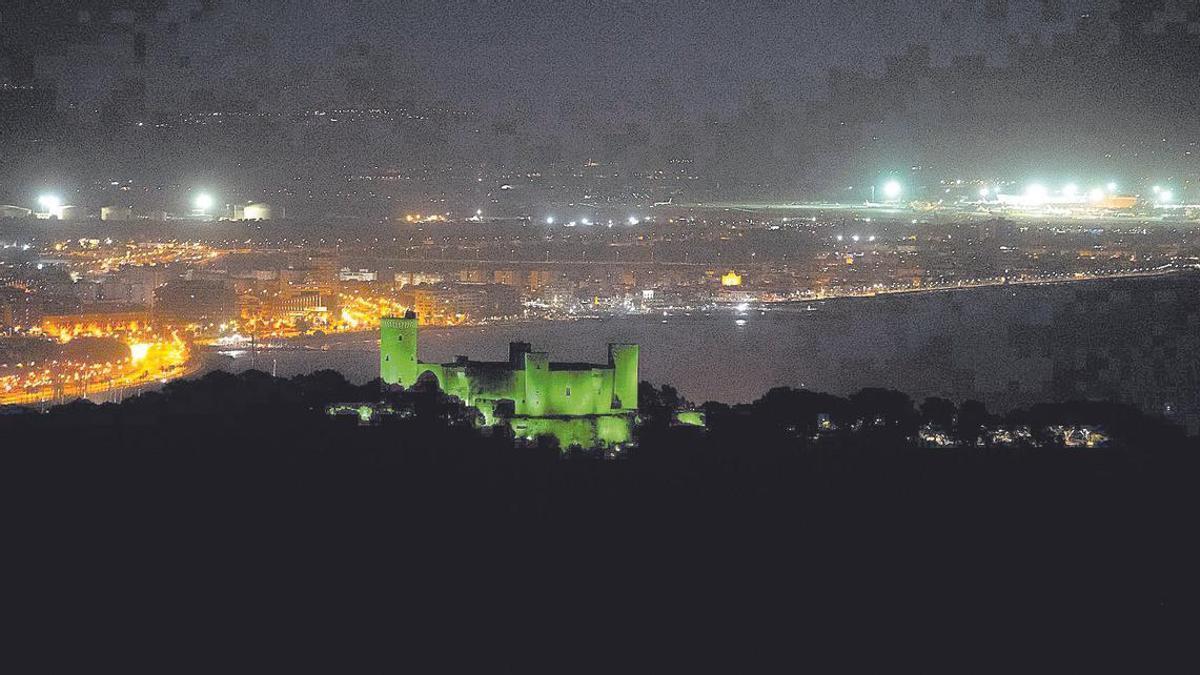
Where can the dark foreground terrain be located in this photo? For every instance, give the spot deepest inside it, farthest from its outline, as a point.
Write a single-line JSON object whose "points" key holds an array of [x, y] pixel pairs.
{"points": [[231, 511]]}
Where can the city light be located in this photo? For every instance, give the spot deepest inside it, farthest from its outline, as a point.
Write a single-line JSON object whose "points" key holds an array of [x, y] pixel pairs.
{"points": [[1112, 187], [633, 220], [49, 202], [1165, 196], [138, 351], [203, 202], [550, 220], [1096, 195], [892, 189], [1036, 193], [1070, 189], [983, 192]]}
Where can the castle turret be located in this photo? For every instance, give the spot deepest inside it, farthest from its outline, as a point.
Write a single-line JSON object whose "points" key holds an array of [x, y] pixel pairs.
{"points": [[516, 354], [398, 349], [623, 358]]}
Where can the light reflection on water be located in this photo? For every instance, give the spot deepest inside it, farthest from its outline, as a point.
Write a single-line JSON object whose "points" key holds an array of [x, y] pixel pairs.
{"points": [[1005, 346]]}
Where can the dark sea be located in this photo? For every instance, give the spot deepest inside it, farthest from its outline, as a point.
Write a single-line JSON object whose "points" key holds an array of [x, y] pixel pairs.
{"points": [[1133, 340]]}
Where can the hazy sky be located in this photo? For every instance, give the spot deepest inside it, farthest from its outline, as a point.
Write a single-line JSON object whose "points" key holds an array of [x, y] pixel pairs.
{"points": [[493, 55]]}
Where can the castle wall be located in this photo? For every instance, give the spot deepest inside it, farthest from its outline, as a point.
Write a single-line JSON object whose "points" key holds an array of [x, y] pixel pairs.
{"points": [[605, 430], [579, 392]]}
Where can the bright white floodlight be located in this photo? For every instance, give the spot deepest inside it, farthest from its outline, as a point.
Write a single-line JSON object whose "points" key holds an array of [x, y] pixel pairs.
{"points": [[1070, 189], [203, 201], [892, 189], [1165, 196], [49, 202], [1036, 193], [1096, 195]]}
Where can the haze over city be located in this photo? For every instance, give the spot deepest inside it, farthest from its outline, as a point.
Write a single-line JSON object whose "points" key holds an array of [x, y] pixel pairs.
{"points": [[333, 107]]}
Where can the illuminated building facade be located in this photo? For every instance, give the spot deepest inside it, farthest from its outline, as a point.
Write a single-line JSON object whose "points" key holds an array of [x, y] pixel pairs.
{"points": [[578, 403]]}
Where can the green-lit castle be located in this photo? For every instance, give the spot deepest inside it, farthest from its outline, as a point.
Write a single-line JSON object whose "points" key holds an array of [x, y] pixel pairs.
{"points": [[578, 403]]}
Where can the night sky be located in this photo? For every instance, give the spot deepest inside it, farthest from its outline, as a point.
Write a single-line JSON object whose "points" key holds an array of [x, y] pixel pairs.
{"points": [[760, 96], [535, 55]]}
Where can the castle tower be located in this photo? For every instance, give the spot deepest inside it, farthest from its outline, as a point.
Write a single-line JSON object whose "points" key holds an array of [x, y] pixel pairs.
{"points": [[537, 383], [398, 349], [623, 358]]}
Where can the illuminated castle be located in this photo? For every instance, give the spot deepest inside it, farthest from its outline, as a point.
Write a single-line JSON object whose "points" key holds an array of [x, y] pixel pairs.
{"points": [[578, 403]]}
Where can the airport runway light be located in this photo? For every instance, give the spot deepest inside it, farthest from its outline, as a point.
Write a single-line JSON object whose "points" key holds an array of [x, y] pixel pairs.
{"points": [[203, 202], [1035, 193], [892, 189]]}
